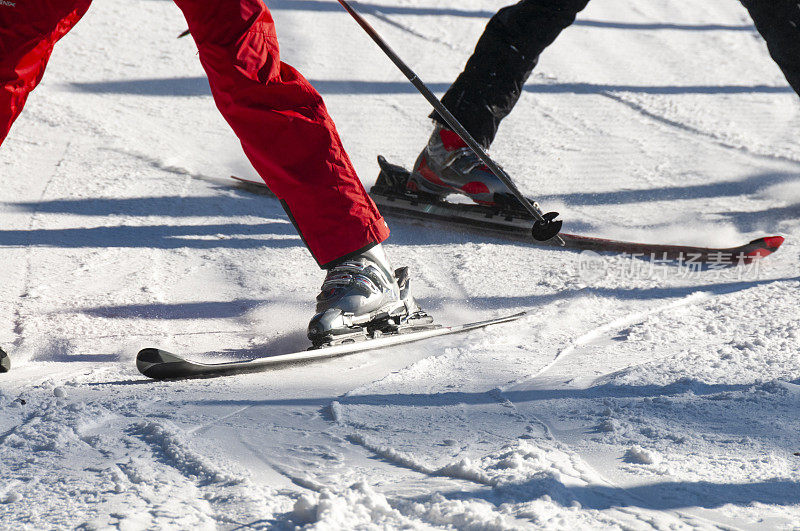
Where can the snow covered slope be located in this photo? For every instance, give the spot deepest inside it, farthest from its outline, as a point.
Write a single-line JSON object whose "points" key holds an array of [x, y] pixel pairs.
{"points": [[640, 395]]}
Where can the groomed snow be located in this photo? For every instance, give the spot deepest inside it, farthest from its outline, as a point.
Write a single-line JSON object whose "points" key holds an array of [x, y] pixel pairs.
{"points": [[637, 395]]}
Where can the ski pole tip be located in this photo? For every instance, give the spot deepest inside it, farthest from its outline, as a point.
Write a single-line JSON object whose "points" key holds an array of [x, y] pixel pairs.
{"points": [[547, 228]]}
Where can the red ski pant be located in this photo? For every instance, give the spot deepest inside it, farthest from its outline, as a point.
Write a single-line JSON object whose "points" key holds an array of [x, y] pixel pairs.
{"points": [[280, 119]]}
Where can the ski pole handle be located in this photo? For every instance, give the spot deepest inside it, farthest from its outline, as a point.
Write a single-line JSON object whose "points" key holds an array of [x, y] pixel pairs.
{"points": [[547, 223]]}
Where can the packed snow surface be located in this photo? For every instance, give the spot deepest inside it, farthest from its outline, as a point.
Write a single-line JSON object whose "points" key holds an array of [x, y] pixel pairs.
{"points": [[642, 395]]}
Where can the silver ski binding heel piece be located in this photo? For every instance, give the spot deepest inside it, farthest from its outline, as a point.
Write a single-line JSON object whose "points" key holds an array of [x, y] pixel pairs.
{"points": [[361, 299]]}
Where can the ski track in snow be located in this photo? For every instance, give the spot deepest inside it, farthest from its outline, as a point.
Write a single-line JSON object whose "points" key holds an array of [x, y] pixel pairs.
{"points": [[19, 328], [617, 324], [585, 476], [645, 396]]}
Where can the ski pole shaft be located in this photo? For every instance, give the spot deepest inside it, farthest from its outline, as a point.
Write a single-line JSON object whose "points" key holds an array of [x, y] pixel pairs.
{"points": [[448, 117]]}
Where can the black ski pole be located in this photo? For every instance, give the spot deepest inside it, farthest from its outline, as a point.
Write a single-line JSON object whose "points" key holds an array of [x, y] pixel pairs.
{"points": [[546, 225]]}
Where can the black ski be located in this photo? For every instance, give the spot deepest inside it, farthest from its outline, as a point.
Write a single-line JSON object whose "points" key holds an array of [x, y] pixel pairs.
{"points": [[393, 199], [5, 361], [160, 364]]}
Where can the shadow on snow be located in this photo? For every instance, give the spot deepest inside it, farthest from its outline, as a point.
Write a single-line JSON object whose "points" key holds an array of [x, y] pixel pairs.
{"points": [[198, 86], [239, 307], [243, 204], [183, 310], [658, 496], [230, 236], [364, 7]]}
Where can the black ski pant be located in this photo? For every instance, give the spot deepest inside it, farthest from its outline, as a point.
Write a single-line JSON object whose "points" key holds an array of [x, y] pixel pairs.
{"points": [[509, 49], [778, 21]]}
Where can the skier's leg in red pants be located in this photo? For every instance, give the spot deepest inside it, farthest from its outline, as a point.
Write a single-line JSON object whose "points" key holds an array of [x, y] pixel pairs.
{"points": [[284, 127], [28, 31]]}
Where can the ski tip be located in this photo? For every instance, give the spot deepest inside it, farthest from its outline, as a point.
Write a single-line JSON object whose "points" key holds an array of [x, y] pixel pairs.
{"points": [[154, 355], [513, 317], [774, 242], [764, 246], [5, 361], [155, 363]]}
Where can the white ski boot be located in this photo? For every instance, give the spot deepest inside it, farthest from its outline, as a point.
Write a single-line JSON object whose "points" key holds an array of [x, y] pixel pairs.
{"points": [[363, 298], [447, 165]]}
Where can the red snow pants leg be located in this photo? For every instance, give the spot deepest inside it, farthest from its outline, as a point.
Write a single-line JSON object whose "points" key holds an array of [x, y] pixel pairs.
{"points": [[284, 127], [28, 31]]}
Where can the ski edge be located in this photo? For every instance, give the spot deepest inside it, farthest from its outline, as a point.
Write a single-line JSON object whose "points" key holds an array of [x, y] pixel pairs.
{"points": [[162, 365]]}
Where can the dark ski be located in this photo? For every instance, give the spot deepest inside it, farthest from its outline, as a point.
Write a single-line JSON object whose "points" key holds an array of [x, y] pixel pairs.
{"points": [[5, 361], [160, 364], [393, 199]]}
